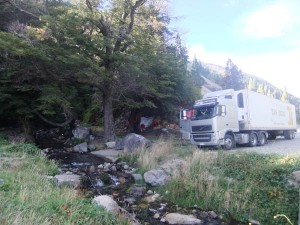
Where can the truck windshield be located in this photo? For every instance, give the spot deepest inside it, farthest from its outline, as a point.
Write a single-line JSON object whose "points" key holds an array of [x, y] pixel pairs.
{"points": [[204, 112]]}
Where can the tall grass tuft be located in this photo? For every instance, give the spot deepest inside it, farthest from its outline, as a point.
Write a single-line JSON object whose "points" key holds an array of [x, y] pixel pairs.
{"points": [[238, 185], [161, 151], [241, 185]]}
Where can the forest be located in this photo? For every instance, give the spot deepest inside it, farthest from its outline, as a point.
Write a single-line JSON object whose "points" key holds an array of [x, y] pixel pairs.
{"points": [[96, 61]]}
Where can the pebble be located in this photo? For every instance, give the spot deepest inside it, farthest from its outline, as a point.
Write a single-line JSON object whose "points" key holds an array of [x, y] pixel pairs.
{"points": [[113, 168], [212, 214], [156, 216], [134, 207], [137, 177], [150, 192], [130, 201], [204, 214], [122, 180], [101, 166], [126, 167], [151, 198], [254, 222], [107, 166]]}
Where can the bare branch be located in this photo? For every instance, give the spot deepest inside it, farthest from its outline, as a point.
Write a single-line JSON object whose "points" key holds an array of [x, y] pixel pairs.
{"points": [[124, 34], [12, 3], [53, 123]]}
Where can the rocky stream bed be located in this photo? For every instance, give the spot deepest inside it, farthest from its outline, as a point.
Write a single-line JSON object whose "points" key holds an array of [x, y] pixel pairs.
{"points": [[101, 176]]}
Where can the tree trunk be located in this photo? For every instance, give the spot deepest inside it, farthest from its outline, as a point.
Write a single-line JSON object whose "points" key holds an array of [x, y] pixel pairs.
{"points": [[109, 131]]}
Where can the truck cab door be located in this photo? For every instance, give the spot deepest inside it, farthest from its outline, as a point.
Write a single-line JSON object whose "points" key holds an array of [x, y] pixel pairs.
{"points": [[184, 124]]}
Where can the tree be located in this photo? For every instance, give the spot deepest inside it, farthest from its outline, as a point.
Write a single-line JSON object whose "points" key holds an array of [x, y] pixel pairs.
{"points": [[284, 96], [35, 77], [260, 89], [118, 49], [269, 93], [233, 77], [196, 72], [251, 84]]}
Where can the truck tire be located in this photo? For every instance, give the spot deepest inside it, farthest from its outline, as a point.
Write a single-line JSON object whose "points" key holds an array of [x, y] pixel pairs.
{"points": [[288, 134], [253, 139], [262, 139], [229, 142], [293, 134], [272, 136]]}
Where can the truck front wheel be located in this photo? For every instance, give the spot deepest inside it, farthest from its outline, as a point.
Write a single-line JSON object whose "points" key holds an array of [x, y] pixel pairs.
{"points": [[229, 142]]}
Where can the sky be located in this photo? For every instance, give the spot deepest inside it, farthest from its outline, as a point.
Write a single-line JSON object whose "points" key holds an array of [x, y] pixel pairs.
{"points": [[261, 37]]}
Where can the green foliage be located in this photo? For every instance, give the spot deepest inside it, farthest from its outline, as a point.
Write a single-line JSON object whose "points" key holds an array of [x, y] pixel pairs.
{"points": [[18, 60], [196, 72], [23, 148], [233, 77], [241, 185]]}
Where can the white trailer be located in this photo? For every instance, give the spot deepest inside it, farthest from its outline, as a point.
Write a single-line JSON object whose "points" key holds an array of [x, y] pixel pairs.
{"points": [[226, 118]]}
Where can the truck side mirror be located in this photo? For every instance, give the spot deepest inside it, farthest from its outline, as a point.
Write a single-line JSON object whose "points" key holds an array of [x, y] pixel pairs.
{"points": [[221, 110]]}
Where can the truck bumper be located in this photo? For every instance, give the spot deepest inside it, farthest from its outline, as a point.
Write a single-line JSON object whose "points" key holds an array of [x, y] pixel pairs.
{"points": [[206, 139]]}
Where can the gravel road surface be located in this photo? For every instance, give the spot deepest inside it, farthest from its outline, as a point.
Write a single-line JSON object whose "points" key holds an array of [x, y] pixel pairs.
{"points": [[278, 146]]}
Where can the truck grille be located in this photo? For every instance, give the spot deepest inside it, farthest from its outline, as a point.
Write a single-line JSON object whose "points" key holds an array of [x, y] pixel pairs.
{"points": [[202, 138], [201, 128]]}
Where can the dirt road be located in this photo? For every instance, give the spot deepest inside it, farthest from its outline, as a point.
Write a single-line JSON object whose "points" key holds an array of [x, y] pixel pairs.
{"points": [[278, 146]]}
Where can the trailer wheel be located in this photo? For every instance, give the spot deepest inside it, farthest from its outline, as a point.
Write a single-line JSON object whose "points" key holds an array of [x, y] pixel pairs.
{"points": [[262, 139], [293, 134], [229, 142], [272, 136], [253, 139], [288, 134]]}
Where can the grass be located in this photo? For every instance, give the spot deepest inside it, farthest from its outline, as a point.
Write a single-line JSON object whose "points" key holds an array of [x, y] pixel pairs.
{"points": [[28, 196], [161, 151], [239, 185]]}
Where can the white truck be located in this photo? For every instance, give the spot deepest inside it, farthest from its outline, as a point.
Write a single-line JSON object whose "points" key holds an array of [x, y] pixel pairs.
{"points": [[227, 117]]}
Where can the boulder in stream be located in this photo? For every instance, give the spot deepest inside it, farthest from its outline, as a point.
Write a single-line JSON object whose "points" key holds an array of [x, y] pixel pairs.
{"points": [[83, 147], [71, 180], [107, 202], [131, 142], [176, 218], [110, 144], [81, 132], [156, 177]]}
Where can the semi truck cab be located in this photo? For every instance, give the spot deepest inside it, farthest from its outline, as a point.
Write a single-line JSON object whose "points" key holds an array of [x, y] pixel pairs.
{"points": [[213, 118]]}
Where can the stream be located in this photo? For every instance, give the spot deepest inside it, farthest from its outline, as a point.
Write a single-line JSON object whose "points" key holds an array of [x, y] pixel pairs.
{"points": [[101, 176]]}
